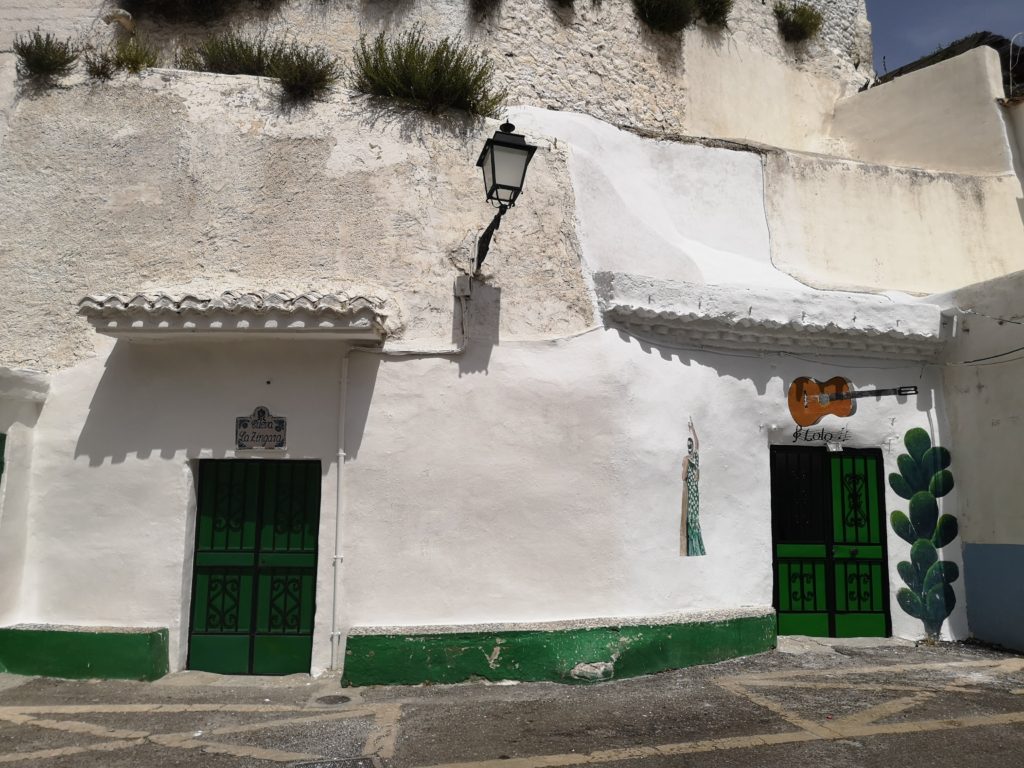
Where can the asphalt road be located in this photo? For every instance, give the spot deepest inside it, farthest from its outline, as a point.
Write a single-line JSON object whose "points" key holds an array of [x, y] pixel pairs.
{"points": [[808, 704]]}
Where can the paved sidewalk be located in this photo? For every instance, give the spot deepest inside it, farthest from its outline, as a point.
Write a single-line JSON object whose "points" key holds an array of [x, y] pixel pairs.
{"points": [[856, 704]]}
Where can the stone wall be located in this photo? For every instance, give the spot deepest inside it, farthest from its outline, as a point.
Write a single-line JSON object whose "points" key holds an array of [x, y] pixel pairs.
{"points": [[595, 57], [199, 183]]}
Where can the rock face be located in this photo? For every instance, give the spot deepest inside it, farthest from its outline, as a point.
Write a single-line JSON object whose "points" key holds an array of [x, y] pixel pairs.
{"points": [[592, 57]]}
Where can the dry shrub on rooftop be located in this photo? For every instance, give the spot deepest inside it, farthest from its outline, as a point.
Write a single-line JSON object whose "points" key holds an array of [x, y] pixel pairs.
{"points": [[100, 65], [303, 72], [798, 21], [43, 58], [668, 16], [135, 54], [428, 75], [231, 53], [715, 12]]}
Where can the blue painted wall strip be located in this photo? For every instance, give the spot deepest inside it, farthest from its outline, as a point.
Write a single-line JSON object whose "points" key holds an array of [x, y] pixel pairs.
{"points": [[994, 578]]}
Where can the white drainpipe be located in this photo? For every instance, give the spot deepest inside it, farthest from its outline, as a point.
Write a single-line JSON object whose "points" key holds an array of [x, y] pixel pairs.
{"points": [[462, 289], [339, 507]]}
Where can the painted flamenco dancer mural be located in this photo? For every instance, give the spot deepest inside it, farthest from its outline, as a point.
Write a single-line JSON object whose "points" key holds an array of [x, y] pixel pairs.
{"points": [[692, 543]]}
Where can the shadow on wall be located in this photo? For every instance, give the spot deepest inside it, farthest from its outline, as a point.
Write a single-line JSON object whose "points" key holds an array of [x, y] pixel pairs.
{"points": [[734, 365], [483, 328], [752, 367], [668, 48], [414, 125], [168, 399]]}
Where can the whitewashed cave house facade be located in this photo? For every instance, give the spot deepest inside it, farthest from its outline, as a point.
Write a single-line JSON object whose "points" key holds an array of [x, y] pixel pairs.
{"points": [[251, 427]]}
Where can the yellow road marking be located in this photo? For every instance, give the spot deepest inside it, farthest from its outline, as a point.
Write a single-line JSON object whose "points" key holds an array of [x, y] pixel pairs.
{"points": [[819, 730], [1009, 665], [737, 742], [381, 740], [184, 741], [117, 709], [228, 730], [384, 735], [880, 711], [827, 686], [44, 754], [74, 726]]}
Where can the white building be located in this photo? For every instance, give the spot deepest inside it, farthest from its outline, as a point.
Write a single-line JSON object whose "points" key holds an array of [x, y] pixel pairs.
{"points": [[491, 484]]}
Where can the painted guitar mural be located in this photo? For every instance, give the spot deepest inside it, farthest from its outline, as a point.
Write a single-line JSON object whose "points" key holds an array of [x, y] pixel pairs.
{"points": [[811, 400]]}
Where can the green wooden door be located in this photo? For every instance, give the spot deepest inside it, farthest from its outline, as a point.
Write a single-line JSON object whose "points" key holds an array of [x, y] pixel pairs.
{"points": [[828, 530], [254, 586]]}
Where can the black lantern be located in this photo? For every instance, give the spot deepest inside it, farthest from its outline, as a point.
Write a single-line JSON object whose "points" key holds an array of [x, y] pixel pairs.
{"points": [[503, 162]]}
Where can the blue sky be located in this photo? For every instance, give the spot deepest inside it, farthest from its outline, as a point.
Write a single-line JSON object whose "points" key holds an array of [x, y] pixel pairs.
{"points": [[905, 30]]}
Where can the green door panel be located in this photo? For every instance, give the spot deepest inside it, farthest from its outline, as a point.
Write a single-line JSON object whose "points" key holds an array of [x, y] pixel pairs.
{"points": [[281, 654], [863, 552], [224, 654], [861, 625], [800, 550], [254, 584], [238, 559], [810, 624]]}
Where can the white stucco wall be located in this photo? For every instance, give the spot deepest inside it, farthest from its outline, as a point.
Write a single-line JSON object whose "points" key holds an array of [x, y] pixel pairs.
{"points": [[570, 508], [17, 419], [986, 410], [742, 92], [839, 223], [111, 520], [1014, 112], [944, 117], [535, 478], [530, 481], [704, 212]]}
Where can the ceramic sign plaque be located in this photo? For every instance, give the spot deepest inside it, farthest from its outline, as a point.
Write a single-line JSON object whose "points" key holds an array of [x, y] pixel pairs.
{"points": [[261, 430]]}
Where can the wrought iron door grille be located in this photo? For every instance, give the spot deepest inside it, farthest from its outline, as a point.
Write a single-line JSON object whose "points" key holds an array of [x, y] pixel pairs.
{"points": [[829, 549]]}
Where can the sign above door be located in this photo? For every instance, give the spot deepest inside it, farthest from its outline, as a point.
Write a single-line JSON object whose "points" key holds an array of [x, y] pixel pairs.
{"points": [[261, 430]]}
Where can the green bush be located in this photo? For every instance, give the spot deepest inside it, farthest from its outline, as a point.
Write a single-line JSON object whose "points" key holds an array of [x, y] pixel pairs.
{"points": [[135, 54], [715, 12], [43, 57], [231, 53], [798, 21], [100, 65], [192, 10], [428, 75], [668, 16], [305, 73]]}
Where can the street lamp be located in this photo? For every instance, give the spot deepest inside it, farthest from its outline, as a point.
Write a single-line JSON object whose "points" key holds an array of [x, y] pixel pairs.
{"points": [[503, 162]]}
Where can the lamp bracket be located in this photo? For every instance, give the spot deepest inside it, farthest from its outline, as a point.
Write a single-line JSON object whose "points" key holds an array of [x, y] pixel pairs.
{"points": [[484, 243]]}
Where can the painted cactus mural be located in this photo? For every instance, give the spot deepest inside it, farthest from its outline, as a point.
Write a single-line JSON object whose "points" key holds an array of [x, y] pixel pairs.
{"points": [[924, 477]]}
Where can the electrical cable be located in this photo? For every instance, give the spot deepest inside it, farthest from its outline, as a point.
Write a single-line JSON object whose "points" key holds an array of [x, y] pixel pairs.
{"points": [[990, 357]]}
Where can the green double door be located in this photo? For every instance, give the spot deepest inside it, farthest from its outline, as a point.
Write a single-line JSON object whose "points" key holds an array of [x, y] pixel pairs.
{"points": [[254, 584], [828, 531]]}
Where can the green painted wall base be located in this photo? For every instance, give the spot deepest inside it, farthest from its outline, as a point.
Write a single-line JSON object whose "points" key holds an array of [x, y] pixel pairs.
{"points": [[564, 656], [84, 653]]}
